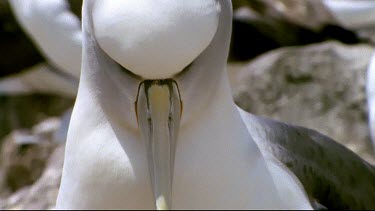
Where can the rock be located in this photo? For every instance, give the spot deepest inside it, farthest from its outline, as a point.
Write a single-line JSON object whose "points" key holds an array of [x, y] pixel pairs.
{"points": [[311, 14], [320, 86], [358, 16], [23, 112], [42, 79], [369, 34], [24, 155], [257, 30], [42, 194], [31, 165]]}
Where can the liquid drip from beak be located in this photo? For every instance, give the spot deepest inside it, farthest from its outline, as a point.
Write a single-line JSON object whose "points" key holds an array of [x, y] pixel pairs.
{"points": [[159, 110]]}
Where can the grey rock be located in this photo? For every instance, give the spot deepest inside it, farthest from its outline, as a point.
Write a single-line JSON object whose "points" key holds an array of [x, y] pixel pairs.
{"points": [[40, 78], [25, 111], [354, 15], [320, 86], [31, 165], [311, 14], [265, 25], [43, 193], [24, 155]]}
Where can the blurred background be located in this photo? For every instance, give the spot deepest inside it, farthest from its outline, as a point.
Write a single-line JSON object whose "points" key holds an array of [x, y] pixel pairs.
{"points": [[295, 61]]}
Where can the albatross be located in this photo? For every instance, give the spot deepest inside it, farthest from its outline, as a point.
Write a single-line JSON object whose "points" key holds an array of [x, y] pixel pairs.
{"points": [[57, 33], [54, 29], [155, 126]]}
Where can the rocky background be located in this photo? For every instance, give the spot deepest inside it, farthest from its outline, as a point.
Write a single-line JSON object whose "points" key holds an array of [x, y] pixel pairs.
{"points": [[290, 60]]}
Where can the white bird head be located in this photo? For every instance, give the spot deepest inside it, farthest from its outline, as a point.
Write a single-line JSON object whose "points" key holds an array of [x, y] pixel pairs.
{"points": [[146, 62], [155, 39]]}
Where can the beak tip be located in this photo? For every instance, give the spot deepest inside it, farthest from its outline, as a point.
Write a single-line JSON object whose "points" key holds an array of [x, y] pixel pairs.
{"points": [[161, 203]]}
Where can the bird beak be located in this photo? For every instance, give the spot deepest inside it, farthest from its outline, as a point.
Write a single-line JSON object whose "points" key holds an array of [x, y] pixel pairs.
{"points": [[159, 110]]}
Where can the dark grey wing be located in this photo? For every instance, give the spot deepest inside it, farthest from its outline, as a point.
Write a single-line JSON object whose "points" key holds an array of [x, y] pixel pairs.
{"points": [[331, 174]]}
